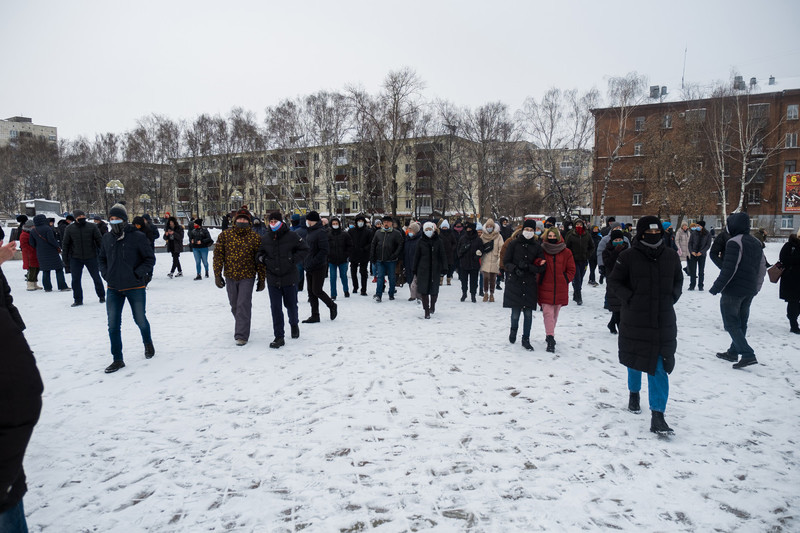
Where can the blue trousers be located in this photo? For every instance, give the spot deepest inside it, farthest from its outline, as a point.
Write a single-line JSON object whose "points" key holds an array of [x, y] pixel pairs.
{"points": [[657, 386], [735, 312], [115, 300], [13, 520], [286, 295], [200, 255], [60, 280], [385, 268], [341, 268], [76, 267], [527, 320]]}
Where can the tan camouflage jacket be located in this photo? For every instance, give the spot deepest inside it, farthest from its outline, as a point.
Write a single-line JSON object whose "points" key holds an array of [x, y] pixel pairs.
{"points": [[235, 255]]}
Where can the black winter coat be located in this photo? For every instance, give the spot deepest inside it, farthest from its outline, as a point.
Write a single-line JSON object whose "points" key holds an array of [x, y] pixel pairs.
{"points": [[409, 252], [699, 241], [7, 302], [521, 286], [581, 246], [340, 246], [467, 246], [126, 263], [175, 240], [43, 239], [430, 262], [280, 253], [386, 246], [318, 248], [648, 283], [20, 405], [202, 235], [610, 256], [744, 265], [790, 279], [717, 251], [81, 241], [450, 240], [362, 240]]}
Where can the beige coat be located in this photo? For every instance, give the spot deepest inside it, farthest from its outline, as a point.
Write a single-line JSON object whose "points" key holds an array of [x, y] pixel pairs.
{"points": [[490, 261]]}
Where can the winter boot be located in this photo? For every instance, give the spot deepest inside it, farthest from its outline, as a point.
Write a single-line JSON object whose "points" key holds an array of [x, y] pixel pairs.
{"points": [[198, 277], [745, 361], [612, 326], [728, 356], [577, 297], [149, 350], [295, 331], [433, 303], [334, 311], [526, 343], [659, 425], [113, 367], [633, 403], [449, 279], [313, 319], [473, 298], [441, 280], [486, 297], [32, 286], [179, 274], [463, 295], [170, 275], [206, 273], [426, 305], [491, 297], [277, 343], [512, 335], [793, 327], [551, 343]]}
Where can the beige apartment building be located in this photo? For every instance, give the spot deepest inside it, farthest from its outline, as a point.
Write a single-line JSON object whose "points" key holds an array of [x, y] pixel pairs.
{"points": [[14, 128]]}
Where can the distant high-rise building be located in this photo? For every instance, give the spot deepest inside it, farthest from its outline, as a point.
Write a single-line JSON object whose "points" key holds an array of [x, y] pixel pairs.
{"points": [[14, 128]]}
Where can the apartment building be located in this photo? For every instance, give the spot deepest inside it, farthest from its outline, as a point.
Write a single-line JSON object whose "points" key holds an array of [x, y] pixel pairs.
{"points": [[14, 128]]}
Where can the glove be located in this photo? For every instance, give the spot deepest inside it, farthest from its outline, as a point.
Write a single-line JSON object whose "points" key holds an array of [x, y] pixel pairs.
{"points": [[602, 270], [478, 253], [261, 285], [219, 281], [519, 272], [669, 364], [713, 292]]}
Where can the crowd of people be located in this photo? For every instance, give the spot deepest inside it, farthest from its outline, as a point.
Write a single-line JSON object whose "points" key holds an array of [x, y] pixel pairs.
{"points": [[533, 263]]}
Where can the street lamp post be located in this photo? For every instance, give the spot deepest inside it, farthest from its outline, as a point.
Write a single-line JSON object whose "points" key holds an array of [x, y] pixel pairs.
{"points": [[115, 187], [144, 200], [236, 198], [343, 195]]}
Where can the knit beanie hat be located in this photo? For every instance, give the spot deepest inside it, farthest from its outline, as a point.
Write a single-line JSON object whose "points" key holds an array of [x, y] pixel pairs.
{"points": [[529, 223], [444, 224], [22, 219], [198, 221], [414, 228], [429, 225], [138, 221], [478, 226], [276, 216], [647, 223], [313, 216], [119, 211], [78, 213], [616, 234], [243, 212]]}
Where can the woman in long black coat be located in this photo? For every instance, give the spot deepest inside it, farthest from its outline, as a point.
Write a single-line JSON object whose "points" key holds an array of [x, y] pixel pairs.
{"points": [[430, 263], [48, 252], [790, 280], [616, 246], [647, 279], [523, 260]]}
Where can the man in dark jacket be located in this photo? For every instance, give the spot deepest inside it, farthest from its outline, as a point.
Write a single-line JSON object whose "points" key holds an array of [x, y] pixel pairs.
{"points": [[739, 280], [524, 261], [717, 251], [647, 279], [126, 260], [361, 235], [699, 243], [48, 252], [20, 404], [580, 243], [468, 260], [101, 225], [449, 240], [340, 247], [386, 250], [315, 264], [81, 243], [199, 241], [280, 252], [299, 225]]}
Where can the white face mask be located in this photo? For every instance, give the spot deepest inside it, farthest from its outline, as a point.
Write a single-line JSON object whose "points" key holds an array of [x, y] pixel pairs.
{"points": [[360, 224], [410, 233], [335, 226], [489, 229], [528, 234], [429, 233]]}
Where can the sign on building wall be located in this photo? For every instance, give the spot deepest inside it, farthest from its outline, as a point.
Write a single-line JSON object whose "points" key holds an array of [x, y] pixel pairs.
{"points": [[791, 193]]}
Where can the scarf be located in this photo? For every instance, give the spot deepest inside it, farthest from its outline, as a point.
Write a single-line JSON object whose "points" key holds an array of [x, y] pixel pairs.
{"points": [[553, 249]]}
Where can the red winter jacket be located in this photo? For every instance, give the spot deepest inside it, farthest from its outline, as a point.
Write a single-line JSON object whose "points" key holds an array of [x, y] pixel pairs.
{"points": [[29, 259], [554, 283]]}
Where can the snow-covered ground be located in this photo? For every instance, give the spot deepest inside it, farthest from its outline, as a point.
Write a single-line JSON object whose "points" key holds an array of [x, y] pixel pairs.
{"points": [[383, 421]]}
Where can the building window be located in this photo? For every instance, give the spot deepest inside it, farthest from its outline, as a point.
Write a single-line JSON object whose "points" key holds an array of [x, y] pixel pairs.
{"points": [[792, 112], [439, 203], [638, 173], [408, 167], [51, 137], [316, 172], [408, 150], [637, 149], [759, 111], [790, 165], [754, 196], [316, 158], [354, 187], [791, 140], [354, 206], [408, 204], [787, 222], [566, 164], [639, 124], [637, 198], [409, 186], [316, 189], [354, 171], [666, 123], [439, 185], [316, 206], [696, 116], [13, 134]]}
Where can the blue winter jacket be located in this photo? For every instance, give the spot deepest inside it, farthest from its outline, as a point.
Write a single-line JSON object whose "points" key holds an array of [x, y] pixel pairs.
{"points": [[126, 263], [744, 265], [43, 239]]}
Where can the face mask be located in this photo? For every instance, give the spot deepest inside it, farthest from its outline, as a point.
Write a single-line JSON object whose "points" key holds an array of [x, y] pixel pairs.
{"points": [[335, 226], [197, 226], [651, 238], [552, 240], [242, 225], [429, 233], [527, 234], [580, 230], [116, 227], [387, 230], [489, 229], [360, 224], [275, 225], [618, 243], [469, 231], [410, 234], [81, 221], [538, 232], [458, 228], [697, 228], [351, 226]]}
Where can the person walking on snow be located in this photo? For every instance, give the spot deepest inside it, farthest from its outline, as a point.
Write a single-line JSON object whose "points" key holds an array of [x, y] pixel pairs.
{"points": [[361, 235], [647, 279], [315, 264], [491, 243], [173, 235], [81, 243], [790, 280], [341, 246], [199, 241], [48, 253], [428, 266], [581, 244], [554, 282], [699, 244], [523, 262], [386, 250]]}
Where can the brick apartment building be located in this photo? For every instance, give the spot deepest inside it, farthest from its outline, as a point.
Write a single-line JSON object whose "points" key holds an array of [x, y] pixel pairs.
{"points": [[673, 157]]}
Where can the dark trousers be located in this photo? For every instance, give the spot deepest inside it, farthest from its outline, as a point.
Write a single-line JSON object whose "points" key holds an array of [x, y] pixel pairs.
{"points": [[286, 295], [60, 280], [76, 267], [301, 276], [240, 296], [580, 272], [33, 274], [176, 262], [115, 301], [355, 269], [472, 275], [315, 280], [592, 267], [697, 267], [527, 321], [735, 312], [793, 310]]}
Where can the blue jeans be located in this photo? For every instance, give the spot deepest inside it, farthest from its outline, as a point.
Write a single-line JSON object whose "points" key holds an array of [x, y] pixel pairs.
{"points": [[286, 295], [76, 267], [13, 520], [200, 255], [115, 300], [60, 280], [657, 386], [342, 269], [527, 320], [580, 273], [385, 268], [735, 312]]}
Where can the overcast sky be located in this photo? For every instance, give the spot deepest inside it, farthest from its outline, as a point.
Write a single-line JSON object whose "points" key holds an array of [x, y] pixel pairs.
{"points": [[91, 67]]}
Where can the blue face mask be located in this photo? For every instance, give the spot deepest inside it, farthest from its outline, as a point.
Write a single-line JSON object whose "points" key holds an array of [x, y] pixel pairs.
{"points": [[118, 221], [697, 228], [276, 227], [388, 229]]}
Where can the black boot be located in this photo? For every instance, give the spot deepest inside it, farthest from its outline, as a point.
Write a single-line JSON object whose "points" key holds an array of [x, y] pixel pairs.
{"points": [[612, 326], [313, 319], [277, 343], [526, 343], [334, 311], [149, 350], [728, 356], [512, 335], [551, 343], [113, 367], [433, 303], [793, 327], [659, 425], [295, 331], [633, 403], [426, 305], [577, 298], [463, 295], [473, 298]]}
